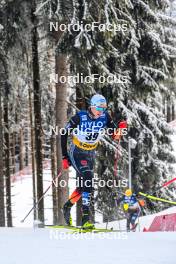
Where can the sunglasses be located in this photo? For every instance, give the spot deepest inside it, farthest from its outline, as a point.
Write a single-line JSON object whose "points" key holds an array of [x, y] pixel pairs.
{"points": [[101, 109]]}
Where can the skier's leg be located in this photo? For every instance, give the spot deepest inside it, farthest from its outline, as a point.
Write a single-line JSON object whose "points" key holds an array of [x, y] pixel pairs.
{"points": [[85, 210], [86, 197], [133, 219], [84, 163], [128, 218], [75, 196], [67, 212]]}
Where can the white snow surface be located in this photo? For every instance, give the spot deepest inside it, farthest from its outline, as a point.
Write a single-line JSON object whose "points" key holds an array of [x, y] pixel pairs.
{"points": [[40, 246]]}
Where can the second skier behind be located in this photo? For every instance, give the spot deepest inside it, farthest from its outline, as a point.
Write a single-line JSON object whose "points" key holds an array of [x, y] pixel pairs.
{"points": [[131, 207]]}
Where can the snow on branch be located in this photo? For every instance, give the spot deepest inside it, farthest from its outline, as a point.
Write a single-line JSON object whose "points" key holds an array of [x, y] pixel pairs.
{"points": [[152, 119], [83, 35], [146, 77], [85, 9], [154, 72], [169, 48], [1, 27], [155, 38], [167, 19], [129, 4], [147, 10], [40, 7]]}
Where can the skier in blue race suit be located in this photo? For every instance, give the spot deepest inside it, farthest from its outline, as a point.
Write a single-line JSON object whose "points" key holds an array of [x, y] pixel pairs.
{"points": [[131, 207], [86, 127]]}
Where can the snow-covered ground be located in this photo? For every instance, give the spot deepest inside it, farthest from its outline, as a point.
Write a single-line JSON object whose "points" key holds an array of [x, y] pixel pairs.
{"points": [[43, 246]]}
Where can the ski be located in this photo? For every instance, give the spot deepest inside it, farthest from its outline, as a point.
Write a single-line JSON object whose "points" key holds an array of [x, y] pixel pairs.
{"points": [[94, 230], [63, 227], [78, 229]]}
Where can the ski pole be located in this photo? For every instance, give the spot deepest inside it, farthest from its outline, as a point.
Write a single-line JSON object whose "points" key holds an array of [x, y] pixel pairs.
{"points": [[53, 181], [162, 186], [117, 156], [168, 182]]}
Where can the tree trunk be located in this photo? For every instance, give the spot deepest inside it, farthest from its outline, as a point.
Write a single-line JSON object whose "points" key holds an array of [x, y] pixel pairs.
{"points": [[32, 153], [7, 165], [164, 105], [168, 110], [61, 118], [2, 205], [26, 144], [51, 59], [173, 111], [54, 174], [13, 152], [21, 152], [37, 114]]}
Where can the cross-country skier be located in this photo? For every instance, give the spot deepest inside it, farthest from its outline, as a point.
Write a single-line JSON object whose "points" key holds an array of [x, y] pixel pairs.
{"points": [[86, 128], [131, 207]]}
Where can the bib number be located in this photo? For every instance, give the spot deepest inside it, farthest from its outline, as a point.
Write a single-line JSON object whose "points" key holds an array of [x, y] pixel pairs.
{"points": [[92, 136]]}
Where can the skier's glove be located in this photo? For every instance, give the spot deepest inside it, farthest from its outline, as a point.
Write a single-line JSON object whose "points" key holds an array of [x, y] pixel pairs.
{"points": [[66, 163], [122, 124], [119, 132], [141, 202]]}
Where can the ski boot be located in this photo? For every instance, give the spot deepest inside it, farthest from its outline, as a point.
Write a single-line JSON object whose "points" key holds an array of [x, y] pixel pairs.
{"points": [[86, 224], [67, 213], [133, 227], [128, 225], [128, 228]]}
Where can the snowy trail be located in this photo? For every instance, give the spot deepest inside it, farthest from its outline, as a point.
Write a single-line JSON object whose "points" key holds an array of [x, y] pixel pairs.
{"points": [[25, 245]]}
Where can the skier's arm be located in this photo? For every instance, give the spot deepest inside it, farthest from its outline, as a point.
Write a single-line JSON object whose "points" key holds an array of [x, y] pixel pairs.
{"points": [[119, 200], [116, 129], [73, 123], [110, 123]]}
